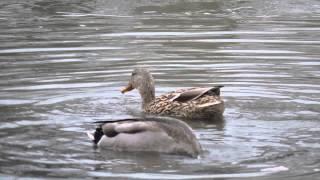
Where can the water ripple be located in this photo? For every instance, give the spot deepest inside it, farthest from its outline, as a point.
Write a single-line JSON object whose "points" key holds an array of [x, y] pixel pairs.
{"points": [[28, 50], [62, 70]]}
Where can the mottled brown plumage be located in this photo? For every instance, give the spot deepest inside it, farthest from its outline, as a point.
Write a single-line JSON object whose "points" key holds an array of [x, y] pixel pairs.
{"points": [[192, 103]]}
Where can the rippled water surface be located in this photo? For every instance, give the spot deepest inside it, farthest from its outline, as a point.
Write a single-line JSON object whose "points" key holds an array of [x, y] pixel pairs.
{"points": [[63, 63]]}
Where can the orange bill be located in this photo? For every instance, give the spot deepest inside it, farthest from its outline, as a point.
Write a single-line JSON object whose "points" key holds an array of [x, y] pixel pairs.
{"points": [[126, 89]]}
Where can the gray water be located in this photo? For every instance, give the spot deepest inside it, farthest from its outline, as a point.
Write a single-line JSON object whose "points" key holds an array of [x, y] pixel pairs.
{"points": [[64, 62]]}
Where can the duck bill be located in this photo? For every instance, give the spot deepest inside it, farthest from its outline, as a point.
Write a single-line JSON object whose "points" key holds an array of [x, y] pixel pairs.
{"points": [[126, 89]]}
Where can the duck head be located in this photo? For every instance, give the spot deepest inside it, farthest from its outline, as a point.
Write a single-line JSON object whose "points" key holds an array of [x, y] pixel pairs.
{"points": [[142, 80]]}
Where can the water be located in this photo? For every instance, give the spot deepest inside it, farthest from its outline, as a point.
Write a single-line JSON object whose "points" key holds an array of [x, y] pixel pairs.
{"points": [[64, 62]]}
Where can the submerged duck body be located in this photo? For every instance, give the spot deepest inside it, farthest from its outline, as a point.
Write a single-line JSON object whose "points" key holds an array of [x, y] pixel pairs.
{"points": [[169, 136], [194, 103]]}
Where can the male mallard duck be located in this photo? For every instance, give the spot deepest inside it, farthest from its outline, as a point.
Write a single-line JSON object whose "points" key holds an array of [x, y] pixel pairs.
{"points": [[165, 135], [192, 103]]}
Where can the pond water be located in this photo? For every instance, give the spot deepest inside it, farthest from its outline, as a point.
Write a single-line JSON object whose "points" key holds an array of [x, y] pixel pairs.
{"points": [[64, 62]]}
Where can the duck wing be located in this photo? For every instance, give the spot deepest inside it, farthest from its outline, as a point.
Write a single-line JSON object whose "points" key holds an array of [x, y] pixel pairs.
{"points": [[195, 93], [112, 128], [128, 127]]}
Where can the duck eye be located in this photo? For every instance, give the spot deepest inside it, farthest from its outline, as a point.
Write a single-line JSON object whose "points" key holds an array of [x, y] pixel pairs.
{"points": [[133, 74]]}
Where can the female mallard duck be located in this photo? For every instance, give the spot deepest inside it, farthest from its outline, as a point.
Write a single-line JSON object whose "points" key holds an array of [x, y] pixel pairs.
{"points": [[165, 135], [192, 103]]}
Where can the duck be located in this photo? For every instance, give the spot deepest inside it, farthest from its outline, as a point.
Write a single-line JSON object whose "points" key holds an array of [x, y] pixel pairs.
{"points": [[202, 103], [147, 134]]}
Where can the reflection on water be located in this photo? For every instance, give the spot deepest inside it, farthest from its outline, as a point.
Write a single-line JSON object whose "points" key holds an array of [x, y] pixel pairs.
{"points": [[63, 63]]}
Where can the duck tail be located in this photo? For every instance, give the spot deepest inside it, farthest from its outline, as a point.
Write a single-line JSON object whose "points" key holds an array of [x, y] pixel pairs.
{"points": [[216, 90], [96, 135]]}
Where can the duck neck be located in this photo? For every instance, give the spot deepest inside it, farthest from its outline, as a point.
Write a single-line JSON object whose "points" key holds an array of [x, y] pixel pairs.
{"points": [[147, 93]]}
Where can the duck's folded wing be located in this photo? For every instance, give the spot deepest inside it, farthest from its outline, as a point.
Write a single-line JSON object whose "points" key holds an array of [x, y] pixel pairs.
{"points": [[112, 129], [195, 93]]}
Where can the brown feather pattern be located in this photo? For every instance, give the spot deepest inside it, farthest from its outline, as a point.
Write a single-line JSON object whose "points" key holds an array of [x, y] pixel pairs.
{"points": [[192, 109]]}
